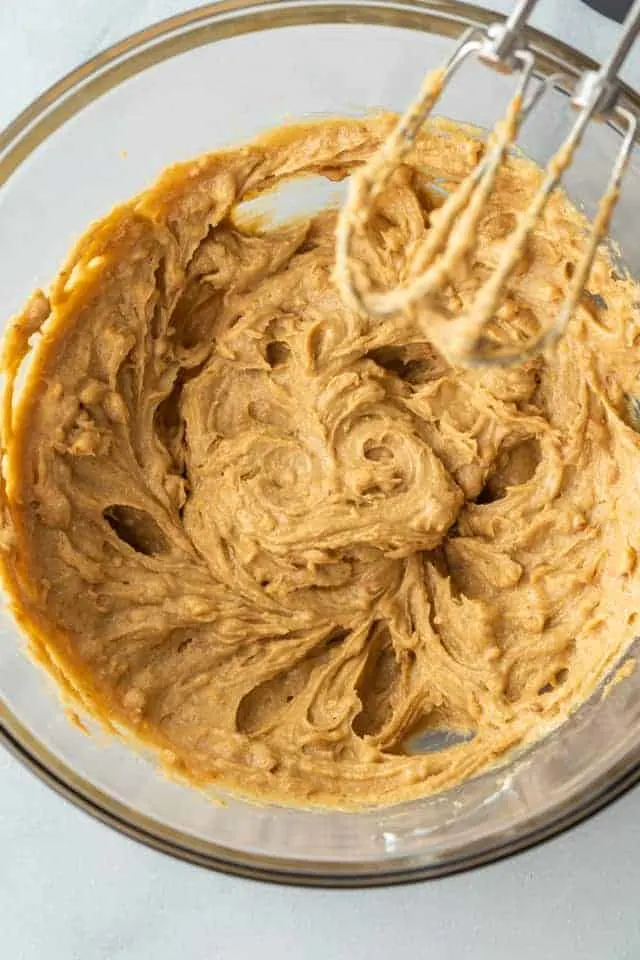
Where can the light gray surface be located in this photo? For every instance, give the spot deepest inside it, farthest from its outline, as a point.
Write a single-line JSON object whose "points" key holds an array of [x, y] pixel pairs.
{"points": [[70, 888]]}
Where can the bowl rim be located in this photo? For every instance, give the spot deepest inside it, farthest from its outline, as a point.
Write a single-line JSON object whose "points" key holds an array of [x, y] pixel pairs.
{"points": [[45, 114]]}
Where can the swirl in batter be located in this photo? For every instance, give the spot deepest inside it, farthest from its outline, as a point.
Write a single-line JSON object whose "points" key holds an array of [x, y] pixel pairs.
{"points": [[277, 539]]}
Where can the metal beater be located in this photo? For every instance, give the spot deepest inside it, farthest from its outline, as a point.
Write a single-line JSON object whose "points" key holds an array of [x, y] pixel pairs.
{"points": [[452, 236]]}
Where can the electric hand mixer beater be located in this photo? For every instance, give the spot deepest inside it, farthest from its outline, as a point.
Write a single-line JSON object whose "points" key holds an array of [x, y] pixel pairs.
{"points": [[452, 236]]}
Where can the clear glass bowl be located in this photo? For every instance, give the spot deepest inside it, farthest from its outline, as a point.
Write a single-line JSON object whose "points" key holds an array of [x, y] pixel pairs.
{"points": [[201, 80]]}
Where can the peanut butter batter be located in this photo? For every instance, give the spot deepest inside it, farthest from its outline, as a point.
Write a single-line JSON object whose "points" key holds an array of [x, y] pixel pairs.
{"points": [[279, 540]]}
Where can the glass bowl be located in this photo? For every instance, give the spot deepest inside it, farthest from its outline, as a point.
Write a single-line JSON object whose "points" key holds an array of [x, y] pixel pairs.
{"points": [[220, 74]]}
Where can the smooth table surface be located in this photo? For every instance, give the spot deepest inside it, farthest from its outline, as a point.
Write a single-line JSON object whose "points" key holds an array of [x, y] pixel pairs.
{"points": [[71, 889]]}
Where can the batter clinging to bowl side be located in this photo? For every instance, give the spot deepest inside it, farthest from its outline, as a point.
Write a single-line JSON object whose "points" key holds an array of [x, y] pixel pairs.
{"points": [[277, 539]]}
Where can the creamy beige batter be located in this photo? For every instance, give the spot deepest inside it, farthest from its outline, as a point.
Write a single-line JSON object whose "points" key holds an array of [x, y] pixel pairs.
{"points": [[277, 539]]}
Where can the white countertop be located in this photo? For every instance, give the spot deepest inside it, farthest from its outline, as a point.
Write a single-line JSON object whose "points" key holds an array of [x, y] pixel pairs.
{"points": [[71, 889]]}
